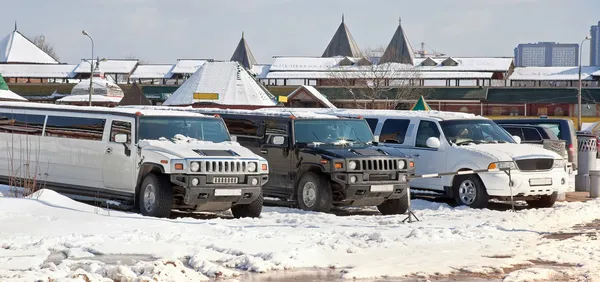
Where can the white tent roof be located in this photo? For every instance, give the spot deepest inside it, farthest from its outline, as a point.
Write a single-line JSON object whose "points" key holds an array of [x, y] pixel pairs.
{"points": [[102, 87], [7, 95], [233, 84], [86, 98], [16, 48]]}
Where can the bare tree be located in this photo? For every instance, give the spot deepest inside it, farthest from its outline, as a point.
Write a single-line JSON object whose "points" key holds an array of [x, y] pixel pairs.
{"points": [[366, 79], [132, 57], [40, 42]]}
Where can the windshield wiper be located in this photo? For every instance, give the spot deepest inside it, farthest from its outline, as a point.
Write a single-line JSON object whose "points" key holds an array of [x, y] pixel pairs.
{"points": [[316, 137]]}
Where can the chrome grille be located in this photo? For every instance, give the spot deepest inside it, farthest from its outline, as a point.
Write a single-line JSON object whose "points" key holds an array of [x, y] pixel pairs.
{"points": [[378, 164], [535, 164], [225, 180], [225, 167]]}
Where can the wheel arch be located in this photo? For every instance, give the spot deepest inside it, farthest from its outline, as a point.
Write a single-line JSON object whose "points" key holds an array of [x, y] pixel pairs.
{"points": [[146, 169]]}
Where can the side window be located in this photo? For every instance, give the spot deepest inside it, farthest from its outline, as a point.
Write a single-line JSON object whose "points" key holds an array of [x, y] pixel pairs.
{"points": [[394, 131], [514, 131], [246, 131], [22, 123], [372, 123], [75, 127], [426, 130], [276, 128], [531, 134], [120, 127]]}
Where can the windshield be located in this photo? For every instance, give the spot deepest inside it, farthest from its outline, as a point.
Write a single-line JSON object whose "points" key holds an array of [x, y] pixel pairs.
{"points": [[478, 131], [200, 128], [332, 131]]}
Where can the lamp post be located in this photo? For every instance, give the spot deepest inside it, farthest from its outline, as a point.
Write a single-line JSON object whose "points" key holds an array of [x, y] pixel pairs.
{"points": [[579, 87], [91, 65]]}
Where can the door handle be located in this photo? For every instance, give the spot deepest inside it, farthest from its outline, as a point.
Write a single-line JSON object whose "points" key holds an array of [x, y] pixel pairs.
{"points": [[109, 150], [264, 152]]}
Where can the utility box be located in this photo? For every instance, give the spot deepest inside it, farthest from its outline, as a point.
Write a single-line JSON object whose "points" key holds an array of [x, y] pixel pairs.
{"points": [[586, 161]]}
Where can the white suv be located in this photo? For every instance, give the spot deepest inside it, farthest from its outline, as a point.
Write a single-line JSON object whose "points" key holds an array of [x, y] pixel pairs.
{"points": [[442, 142]]}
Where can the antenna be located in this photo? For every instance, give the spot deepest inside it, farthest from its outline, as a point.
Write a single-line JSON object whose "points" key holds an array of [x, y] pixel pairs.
{"points": [[15, 25], [342, 17]]}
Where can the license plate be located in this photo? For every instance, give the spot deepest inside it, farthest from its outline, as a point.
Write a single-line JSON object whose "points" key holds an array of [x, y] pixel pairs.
{"points": [[228, 192], [540, 181], [382, 188]]}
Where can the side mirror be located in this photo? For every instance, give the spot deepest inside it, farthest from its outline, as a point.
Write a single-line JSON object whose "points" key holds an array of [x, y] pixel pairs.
{"points": [[517, 139], [121, 138], [233, 138], [278, 140], [433, 142], [376, 138]]}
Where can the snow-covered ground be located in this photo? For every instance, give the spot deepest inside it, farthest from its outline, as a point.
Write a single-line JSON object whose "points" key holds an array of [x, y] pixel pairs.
{"points": [[50, 237]]}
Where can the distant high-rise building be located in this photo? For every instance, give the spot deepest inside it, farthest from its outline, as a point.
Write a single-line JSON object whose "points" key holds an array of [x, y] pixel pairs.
{"points": [[547, 54], [595, 46]]}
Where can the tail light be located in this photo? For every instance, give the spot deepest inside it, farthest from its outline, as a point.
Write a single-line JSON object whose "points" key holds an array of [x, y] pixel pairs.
{"points": [[571, 149]]}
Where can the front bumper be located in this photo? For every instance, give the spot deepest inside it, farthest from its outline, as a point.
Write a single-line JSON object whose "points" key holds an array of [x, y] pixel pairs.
{"points": [[376, 191], [526, 183], [206, 191]]}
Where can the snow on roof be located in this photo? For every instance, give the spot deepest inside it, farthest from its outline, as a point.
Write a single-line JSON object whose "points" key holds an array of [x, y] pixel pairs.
{"points": [[185, 66], [552, 73], [8, 95], [261, 71], [279, 112], [304, 63], [152, 71], [108, 66], [16, 48], [37, 70], [315, 93], [469, 64], [125, 110], [443, 115], [229, 80], [102, 87], [86, 98], [394, 74]]}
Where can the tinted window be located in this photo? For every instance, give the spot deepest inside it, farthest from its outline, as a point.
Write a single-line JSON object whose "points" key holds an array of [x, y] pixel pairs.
{"points": [[372, 123], [531, 134], [243, 127], [204, 128], [477, 131], [75, 127], [332, 131], [554, 127], [120, 127], [22, 123], [427, 129], [275, 128], [394, 131], [515, 131]]}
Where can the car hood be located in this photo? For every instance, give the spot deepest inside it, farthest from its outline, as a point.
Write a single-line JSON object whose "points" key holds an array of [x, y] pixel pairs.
{"points": [[509, 152], [354, 152], [199, 149]]}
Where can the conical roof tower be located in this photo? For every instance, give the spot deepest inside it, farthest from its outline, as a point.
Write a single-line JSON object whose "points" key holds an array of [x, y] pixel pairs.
{"points": [[342, 44], [399, 50], [243, 55]]}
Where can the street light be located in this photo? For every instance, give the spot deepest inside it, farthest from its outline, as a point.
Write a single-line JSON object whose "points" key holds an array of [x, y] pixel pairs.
{"points": [[91, 65], [579, 88]]}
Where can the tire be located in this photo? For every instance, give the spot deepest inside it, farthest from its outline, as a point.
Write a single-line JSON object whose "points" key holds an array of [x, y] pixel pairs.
{"points": [[252, 209], [314, 193], [470, 191], [163, 196], [546, 201], [394, 206]]}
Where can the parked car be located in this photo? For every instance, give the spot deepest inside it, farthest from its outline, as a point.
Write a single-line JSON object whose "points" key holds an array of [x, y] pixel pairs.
{"points": [[320, 161], [530, 134], [136, 157], [564, 129], [448, 142]]}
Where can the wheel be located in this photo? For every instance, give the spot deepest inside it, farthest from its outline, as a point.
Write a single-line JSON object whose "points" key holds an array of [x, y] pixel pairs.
{"points": [[470, 191], [546, 201], [252, 209], [394, 206], [314, 193], [156, 196]]}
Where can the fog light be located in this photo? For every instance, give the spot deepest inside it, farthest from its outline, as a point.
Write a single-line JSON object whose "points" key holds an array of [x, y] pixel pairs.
{"points": [[254, 181], [195, 181], [352, 179], [402, 178]]}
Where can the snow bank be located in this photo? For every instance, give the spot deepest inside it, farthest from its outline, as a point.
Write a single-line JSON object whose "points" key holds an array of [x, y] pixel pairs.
{"points": [[359, 246]]}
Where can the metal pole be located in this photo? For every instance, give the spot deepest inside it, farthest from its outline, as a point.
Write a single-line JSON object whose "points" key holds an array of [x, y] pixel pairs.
{"points": [[579, 123], [91, 67]]}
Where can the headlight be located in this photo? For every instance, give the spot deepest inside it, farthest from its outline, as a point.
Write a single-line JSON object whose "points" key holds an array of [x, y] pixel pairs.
{"points": [[559, 163], [194, 166], [352, 165], [502, 165], [251, 167], [401, 164]]}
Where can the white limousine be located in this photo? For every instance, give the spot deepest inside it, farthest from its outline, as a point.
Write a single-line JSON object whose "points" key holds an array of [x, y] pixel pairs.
{"points": [[149, 160]]}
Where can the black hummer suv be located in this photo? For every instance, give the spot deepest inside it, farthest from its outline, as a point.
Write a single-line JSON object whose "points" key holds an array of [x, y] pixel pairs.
{"points": [[320, 161]]}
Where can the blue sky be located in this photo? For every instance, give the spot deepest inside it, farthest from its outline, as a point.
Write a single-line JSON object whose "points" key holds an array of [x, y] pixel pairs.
{"points": [[163, 31]]}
